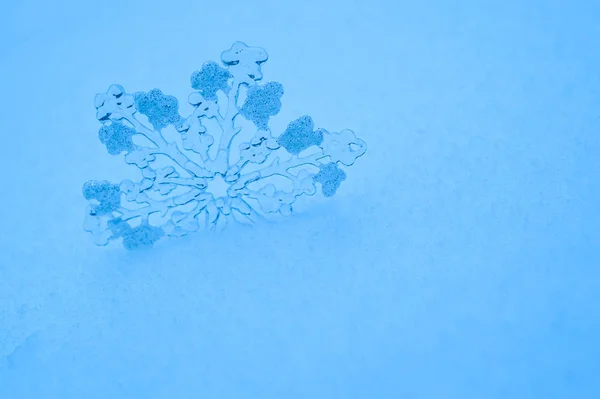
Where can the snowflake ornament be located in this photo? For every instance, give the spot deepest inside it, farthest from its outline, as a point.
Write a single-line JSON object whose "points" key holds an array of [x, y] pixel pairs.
{"points": [[196, 179]]}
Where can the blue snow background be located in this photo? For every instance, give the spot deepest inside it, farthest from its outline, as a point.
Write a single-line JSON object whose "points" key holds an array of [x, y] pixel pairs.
{"points": [[460, 259]]}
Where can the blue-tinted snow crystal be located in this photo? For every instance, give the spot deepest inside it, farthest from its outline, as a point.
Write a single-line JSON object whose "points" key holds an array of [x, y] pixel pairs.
{"points": [[192, 187], [161, 110], [300, 135], [116, 137], [210, 79], [262, 102], [330, 177], [107, 194]]}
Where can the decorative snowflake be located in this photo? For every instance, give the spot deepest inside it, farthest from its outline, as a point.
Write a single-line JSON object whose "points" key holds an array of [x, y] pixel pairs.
{"points": [[195, 180]]}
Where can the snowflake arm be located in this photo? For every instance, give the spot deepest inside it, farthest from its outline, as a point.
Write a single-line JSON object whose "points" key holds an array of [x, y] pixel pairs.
{"points": [[228, 130]]}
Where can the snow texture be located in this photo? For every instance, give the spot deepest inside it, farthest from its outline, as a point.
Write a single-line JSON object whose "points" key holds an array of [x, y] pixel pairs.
{"points": [[458, 259]]}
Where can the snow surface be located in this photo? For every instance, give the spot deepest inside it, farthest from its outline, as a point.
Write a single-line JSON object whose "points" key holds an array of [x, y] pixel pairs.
{"points": [[458, 260]]}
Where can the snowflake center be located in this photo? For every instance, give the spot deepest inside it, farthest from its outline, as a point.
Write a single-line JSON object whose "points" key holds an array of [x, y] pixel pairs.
{"points": [[218, 186]]}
